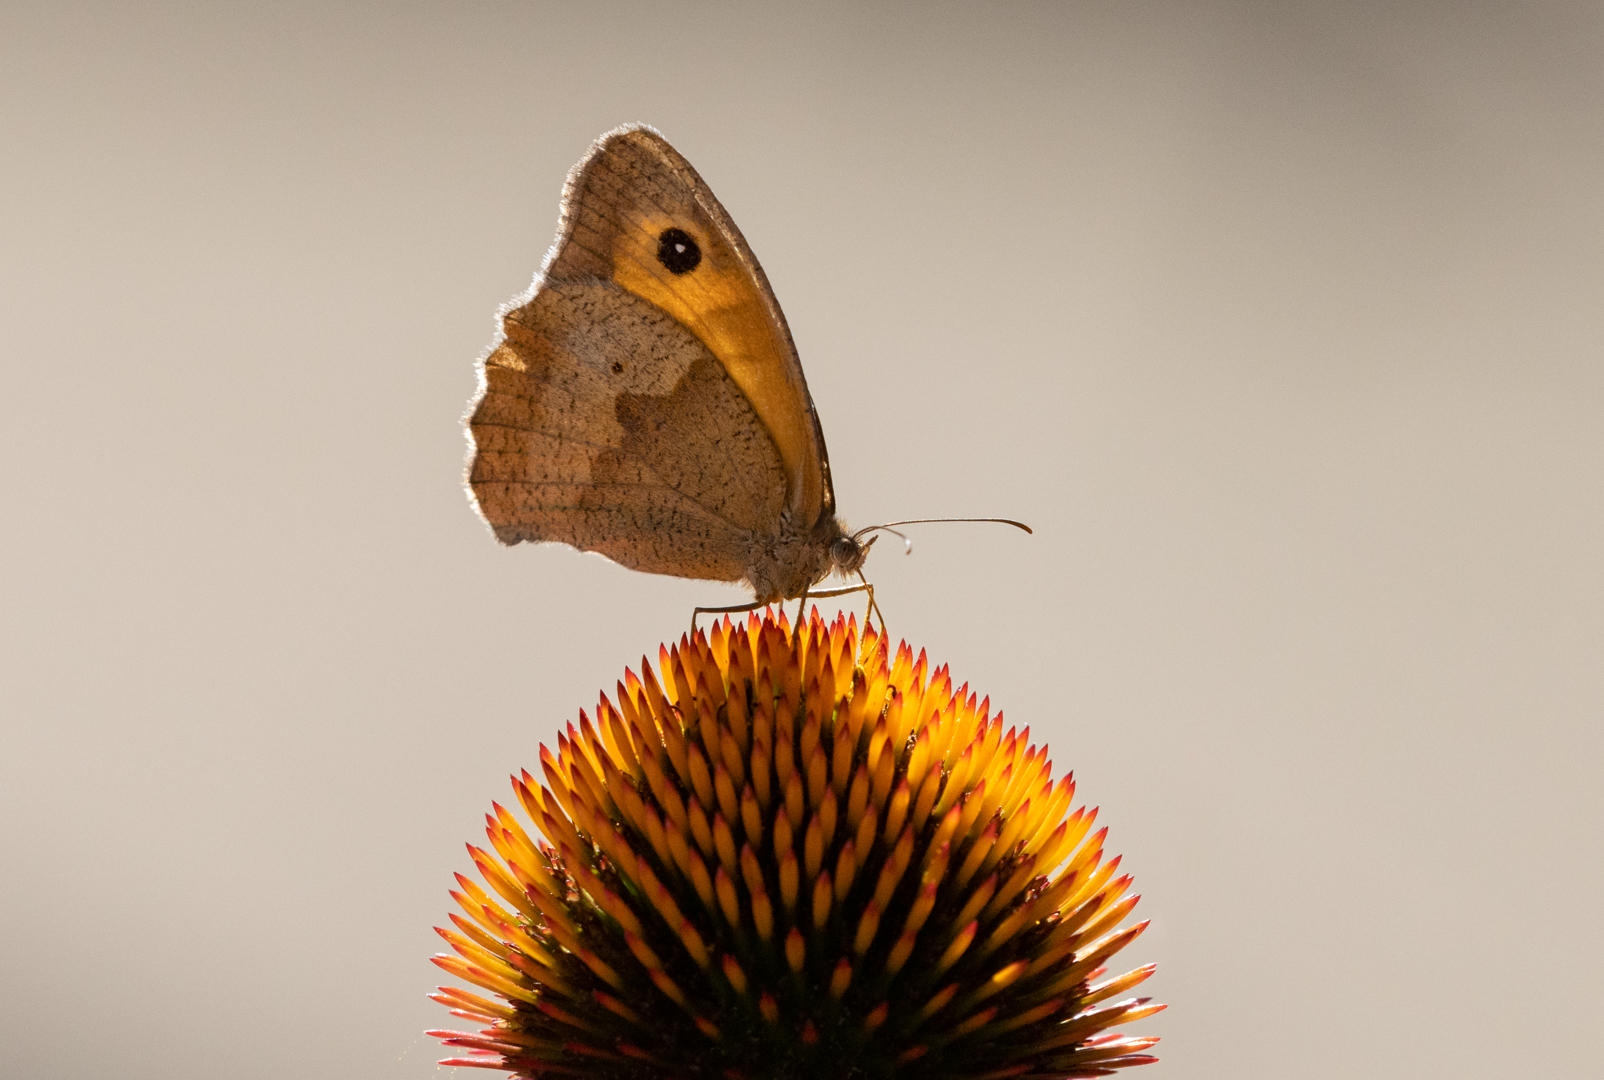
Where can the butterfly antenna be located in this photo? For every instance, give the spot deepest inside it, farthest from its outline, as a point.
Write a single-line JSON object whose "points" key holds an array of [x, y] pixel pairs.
{"points": [[908, 544]]}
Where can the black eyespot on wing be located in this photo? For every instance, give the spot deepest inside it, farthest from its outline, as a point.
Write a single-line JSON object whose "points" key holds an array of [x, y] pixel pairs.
{"points": [[678, 251], [618, 367]]}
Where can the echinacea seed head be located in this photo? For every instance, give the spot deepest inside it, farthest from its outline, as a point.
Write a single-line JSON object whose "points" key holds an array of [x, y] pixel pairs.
{"points": [[792, 855]]}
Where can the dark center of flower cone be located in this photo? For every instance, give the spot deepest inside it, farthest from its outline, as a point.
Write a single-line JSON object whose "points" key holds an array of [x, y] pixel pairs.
{"points": [[791, 858]]}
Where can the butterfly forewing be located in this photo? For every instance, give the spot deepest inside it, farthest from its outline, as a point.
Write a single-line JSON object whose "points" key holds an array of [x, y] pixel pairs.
{"points": [[623, 207]]}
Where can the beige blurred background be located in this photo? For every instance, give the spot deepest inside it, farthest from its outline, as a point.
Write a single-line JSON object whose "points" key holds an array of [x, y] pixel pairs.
{"points": [[1282, 323]]}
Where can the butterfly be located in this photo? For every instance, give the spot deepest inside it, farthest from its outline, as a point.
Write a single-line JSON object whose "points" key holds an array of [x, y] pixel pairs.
{"points": [[644, 399]]}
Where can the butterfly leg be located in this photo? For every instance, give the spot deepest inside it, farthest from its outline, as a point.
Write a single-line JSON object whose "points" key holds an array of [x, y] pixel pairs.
{"points": [[874, 608], [721, 611], [864, 586], [844, 590]]}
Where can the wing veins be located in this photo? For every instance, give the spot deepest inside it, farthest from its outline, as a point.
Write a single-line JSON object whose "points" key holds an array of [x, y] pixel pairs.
{"points": [[617, 484]]}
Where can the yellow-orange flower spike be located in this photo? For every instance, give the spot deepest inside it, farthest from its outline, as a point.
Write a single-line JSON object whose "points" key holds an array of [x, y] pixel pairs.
{"points": [[793, 854]]}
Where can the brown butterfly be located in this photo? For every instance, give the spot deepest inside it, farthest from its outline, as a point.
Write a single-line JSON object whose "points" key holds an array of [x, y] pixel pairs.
{"points": [[645, 400]]}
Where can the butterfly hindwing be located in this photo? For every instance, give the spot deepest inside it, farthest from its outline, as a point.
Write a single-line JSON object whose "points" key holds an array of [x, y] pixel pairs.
{"points": [[606, 425]]}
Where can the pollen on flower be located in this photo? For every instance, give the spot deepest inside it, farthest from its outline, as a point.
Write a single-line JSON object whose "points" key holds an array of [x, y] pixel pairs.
{"points": [[790, 855]]}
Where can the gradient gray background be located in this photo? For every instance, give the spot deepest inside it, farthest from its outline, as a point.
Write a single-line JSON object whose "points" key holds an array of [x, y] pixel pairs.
{"points": [[1282, 323]]}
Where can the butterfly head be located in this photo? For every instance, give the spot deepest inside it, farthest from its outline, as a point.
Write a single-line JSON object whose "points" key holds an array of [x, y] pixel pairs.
{"points": [[847, 553]]}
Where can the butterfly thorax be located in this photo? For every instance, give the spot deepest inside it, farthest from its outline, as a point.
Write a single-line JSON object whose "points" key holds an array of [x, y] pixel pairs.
{"points": [[783, 567]]}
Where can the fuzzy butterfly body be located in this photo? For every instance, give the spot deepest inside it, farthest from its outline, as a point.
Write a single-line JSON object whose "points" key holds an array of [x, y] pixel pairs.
{"points": [[645, 400]]}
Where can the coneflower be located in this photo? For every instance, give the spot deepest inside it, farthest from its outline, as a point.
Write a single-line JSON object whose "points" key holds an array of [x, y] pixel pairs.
{"points": [[789, 857]]}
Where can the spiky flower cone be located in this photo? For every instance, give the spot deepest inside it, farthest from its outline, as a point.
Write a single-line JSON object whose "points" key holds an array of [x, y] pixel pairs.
{"points": [[790, 858]]}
